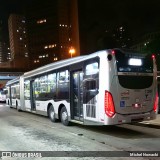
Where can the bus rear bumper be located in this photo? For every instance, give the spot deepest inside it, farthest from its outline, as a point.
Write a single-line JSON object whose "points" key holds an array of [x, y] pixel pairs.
{"points": [[132, 118]]}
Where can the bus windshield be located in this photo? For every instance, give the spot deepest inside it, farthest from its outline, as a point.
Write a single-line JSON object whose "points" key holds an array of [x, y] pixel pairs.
{"points": [[130, 62]]}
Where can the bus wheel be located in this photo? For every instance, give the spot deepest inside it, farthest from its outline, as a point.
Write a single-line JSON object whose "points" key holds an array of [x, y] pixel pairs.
{"points": [[64, 117], [16, 105], [51, 114]]}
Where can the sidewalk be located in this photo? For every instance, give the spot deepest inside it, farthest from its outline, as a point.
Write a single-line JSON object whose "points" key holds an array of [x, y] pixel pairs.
{"points": [[153, 122]]}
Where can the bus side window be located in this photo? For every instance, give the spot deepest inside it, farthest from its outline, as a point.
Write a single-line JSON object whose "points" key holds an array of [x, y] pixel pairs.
{"points": [[52, 83], [36, 87], [91, 81], [63, 85], [91, 73], [43, 84], [15, 92], [92, 68], [41, 87], [27, 90], [63, 76]]}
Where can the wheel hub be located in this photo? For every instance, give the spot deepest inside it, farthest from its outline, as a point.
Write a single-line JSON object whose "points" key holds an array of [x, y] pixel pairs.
{"points": [[64, 116]]}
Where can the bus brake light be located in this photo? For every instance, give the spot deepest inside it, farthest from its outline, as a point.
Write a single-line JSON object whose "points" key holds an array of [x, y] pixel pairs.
{"points": [[155, 102], [113, 52], [109, 104], [153, 56]]}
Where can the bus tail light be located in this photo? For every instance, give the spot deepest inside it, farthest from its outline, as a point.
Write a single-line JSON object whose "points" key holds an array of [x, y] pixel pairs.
{"points": [[155, 102], [153, 56], [109, 104], [113, 52]]}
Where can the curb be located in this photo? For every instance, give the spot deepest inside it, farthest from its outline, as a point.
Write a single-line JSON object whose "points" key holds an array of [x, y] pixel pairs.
{"points": [[149, 124]]}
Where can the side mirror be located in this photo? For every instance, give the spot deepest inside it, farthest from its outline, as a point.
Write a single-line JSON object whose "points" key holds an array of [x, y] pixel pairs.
{"points": [[89, 84]]}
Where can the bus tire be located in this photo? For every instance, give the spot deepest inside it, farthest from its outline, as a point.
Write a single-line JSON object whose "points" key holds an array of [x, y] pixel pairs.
{"points": [[16, 105], [51, 114], [64, 116], [19, 110]]}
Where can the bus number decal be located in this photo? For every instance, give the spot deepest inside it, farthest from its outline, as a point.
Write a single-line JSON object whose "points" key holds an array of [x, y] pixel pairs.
{"points": [[126, 93], [148, 95], [124, 98]]}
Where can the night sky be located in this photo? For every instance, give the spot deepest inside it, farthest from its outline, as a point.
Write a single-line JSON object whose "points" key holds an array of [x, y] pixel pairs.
{"points": [[9, 6], [140, 16], [137, 14]]}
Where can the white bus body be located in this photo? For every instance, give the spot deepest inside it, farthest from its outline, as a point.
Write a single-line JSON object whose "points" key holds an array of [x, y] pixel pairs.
{"points": [[104, 88], [13, 94], [3, 94]]}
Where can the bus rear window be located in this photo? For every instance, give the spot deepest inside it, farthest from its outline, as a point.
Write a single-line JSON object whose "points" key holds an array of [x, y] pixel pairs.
{"points": [[130, 62], [129, 81]]}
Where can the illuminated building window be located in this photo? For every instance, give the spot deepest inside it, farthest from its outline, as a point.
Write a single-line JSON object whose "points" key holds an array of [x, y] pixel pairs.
{"points": [[41, 21], [55, 59], [63, 25], [50, 46], [43, 56], [36, 61]]}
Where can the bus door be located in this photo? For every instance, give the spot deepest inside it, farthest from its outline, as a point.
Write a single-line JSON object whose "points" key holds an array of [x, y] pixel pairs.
{"points": [[10, 95], [33, 95], [77, 95]]}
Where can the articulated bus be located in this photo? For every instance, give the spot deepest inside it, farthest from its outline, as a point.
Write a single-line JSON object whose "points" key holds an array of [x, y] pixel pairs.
{"points": [[107, 87]]}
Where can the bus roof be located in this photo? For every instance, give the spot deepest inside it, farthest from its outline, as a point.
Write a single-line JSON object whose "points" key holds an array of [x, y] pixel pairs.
{"points": [[13, 81], [62, 63]]}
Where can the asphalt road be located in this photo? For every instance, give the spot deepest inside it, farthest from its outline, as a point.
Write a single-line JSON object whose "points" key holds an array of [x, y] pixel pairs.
{"points": [[23, 131]]}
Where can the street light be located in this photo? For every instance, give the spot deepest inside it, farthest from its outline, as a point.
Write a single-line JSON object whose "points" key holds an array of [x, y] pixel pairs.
{"points": [[72, 51]]}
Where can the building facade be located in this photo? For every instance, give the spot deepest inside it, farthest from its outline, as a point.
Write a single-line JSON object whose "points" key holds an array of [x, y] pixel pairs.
{"points": [[145, 40], [18, 41], [4, 46], [52, 28]]}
